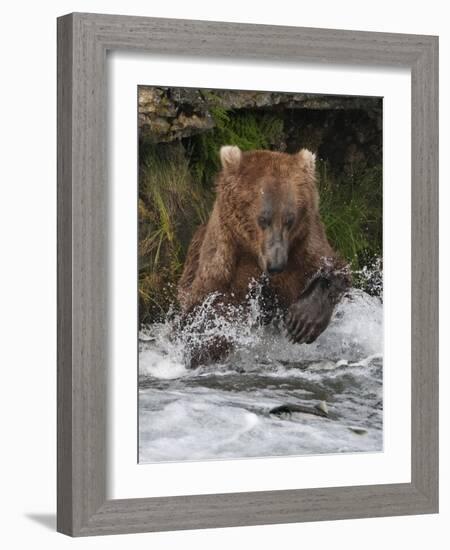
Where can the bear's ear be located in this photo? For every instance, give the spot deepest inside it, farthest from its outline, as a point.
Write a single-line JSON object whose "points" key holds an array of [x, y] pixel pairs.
{"points": [[307, 160], [230, 157]]}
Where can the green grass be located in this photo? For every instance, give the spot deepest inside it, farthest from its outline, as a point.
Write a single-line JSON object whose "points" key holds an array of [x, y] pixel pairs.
{"points": [[351, 209], [169, 204], [176, 194], [247, 130]]}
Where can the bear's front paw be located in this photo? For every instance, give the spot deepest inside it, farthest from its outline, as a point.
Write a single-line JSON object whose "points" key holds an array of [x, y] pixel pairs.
{"points": [[306, 320]]}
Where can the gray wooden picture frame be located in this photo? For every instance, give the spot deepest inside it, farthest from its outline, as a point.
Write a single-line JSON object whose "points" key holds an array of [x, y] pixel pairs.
{"points": [[83, 41]]}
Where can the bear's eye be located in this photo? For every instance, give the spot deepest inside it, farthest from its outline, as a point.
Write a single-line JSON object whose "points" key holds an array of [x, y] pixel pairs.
{"points": [[289, 221], [264, 221]]}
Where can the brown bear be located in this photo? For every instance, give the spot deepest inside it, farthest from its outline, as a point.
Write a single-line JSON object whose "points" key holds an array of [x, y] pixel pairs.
{"points": [[265, 225]]}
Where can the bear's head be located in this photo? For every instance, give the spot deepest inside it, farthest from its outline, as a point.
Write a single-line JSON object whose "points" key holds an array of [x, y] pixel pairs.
{"points": [[267, 200]]}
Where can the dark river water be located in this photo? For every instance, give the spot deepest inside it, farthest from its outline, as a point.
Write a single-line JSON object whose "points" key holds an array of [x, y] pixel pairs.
{"points": [[226, 410]]}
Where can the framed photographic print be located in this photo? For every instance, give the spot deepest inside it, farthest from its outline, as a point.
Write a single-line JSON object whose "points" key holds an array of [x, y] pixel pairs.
{"points": [[236, 272], [247, 274]]}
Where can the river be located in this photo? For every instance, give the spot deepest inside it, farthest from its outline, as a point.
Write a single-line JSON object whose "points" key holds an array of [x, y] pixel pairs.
{"points": [[223, 411]]}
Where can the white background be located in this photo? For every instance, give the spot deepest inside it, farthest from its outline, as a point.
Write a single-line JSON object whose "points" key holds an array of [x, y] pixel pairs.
{"points": [[28, 268], [127, 479]]}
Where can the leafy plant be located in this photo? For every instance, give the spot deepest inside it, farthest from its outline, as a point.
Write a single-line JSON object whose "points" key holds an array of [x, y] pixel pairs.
{"points": [[170, 207], [248, 130], [176, 192], [351, 210]]}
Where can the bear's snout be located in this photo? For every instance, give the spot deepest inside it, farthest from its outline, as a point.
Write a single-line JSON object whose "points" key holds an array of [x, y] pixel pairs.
{"points": [[276, 259], [273, 269]]}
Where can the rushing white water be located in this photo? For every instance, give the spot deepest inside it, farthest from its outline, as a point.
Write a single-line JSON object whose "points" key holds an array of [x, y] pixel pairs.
{"points": [[222, 410]]}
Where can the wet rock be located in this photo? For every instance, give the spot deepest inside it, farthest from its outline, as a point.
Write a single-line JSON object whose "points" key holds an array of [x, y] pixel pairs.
{"points": [[283, 411], [288, 409], [310, 120], [158, 126], [185, 125], [155, 101], [322, 407], [357, 430]]}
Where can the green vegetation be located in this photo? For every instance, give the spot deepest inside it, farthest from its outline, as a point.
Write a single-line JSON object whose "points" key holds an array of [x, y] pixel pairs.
{"points": [[170, 207], [176, 192], [351, 210], [247, 130]]}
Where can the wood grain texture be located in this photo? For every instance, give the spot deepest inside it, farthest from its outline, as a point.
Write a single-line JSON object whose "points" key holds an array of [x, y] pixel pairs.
{"points": [[425, 260], [83, 40], [82, 274], [64, 328]]}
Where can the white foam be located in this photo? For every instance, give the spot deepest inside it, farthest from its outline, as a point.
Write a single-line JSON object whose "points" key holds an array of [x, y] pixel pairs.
{"points": [[222, 410], [355, 332], [152, 363]]}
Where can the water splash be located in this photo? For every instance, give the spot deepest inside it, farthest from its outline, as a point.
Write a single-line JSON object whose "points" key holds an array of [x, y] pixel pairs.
{"points": [[370, 278], [222, 410], [354, 332]]}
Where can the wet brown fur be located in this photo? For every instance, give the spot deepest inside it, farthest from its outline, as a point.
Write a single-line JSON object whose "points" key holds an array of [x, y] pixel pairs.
{"points": [[227, 253]]}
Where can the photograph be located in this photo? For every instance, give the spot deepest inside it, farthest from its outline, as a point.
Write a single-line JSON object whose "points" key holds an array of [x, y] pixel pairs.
{"points": [[260, 227], [231, 220]]}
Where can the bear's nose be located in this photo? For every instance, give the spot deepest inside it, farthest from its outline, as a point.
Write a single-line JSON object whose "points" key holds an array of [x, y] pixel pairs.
{"points": [[272, 269]]}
